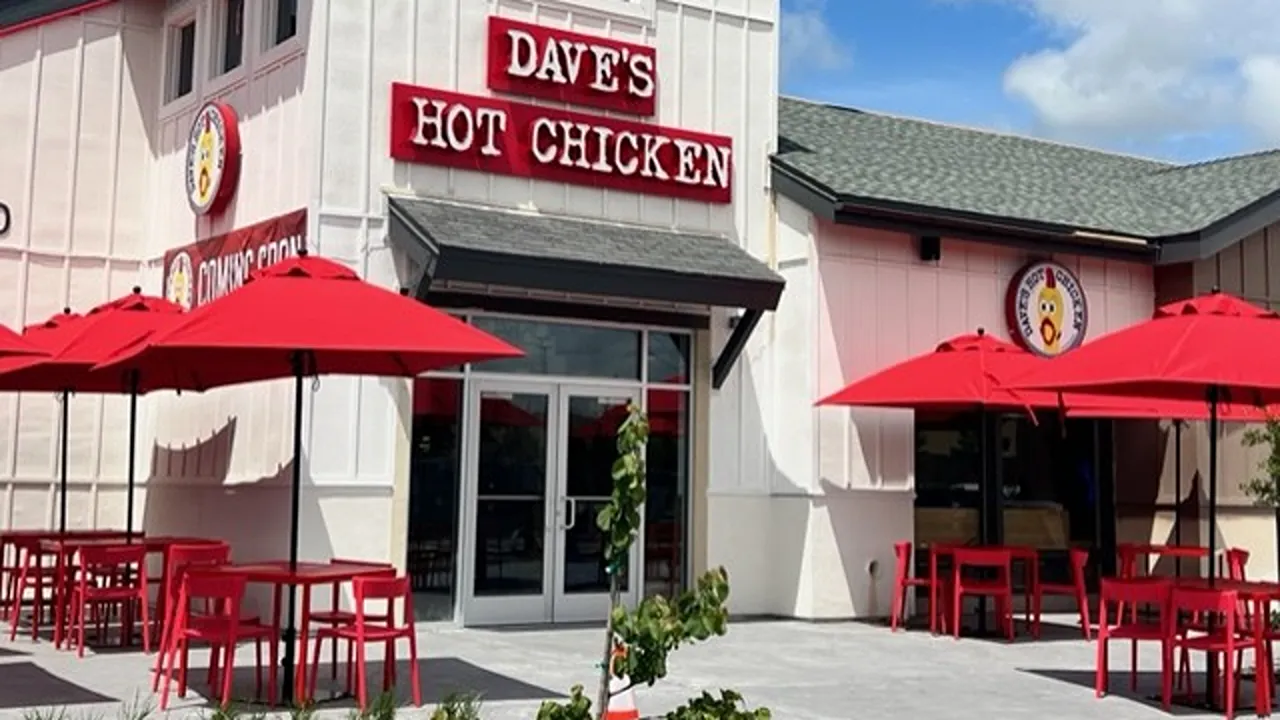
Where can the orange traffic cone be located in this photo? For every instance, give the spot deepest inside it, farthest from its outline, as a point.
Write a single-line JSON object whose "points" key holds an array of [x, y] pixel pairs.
{"points": [[622, 701]]}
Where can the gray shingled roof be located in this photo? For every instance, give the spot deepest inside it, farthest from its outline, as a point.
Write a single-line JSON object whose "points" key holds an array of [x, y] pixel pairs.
{"points": [[13, 12], [872, 157], [512, 232]]}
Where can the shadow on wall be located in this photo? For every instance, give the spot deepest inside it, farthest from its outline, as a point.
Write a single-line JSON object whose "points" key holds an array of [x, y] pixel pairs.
{"points": [[187, 494]]}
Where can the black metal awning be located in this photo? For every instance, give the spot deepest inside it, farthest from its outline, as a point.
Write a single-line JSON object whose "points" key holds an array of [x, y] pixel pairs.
{"points": [[496, 246]]}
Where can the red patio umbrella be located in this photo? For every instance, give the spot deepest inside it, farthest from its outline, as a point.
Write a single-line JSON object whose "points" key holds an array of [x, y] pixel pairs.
{"points": [[969, 372], [1216, 346], [49, 337], [299, 317], [81, 342]]}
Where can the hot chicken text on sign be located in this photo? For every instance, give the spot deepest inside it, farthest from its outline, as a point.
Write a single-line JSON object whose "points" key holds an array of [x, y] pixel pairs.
{"points": [[497, 136], [542, 62]]}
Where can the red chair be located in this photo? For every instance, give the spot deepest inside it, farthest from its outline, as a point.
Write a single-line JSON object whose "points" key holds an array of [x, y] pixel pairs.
{"points": [[110, 576], [1079, 559], [222, 630], [178, 560], [1237, 560], [902, 584], [1155, 592], [1226, 639], [392, 590], [37, 575], [337, 617], [991, 561]]}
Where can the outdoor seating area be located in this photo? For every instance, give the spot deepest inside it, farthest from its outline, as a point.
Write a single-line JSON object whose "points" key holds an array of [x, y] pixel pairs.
{"points": [[169, 595], [1178, 365]]}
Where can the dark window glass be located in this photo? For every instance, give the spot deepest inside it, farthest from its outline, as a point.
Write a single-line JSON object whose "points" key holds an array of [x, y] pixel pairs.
{"points": [[563, 349], [434, 480], [233, 36], [1049, 497], [286, 20], [511, 502], [669, 357], [592, 449], [666, 509], [186, 65]]}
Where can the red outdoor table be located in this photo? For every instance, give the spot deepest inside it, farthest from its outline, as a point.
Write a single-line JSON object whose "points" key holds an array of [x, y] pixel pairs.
{"points": [[305, 575], [17, 540], [66, 547], [1130, 552]]}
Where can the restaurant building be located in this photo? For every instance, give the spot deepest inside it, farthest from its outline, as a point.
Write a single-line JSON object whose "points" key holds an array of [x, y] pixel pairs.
{"points": [[615, 187], [584, 178]]}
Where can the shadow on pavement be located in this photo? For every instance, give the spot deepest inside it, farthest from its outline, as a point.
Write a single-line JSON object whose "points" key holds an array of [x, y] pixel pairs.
{"points": [[1148, 692], [440, 677], [24, 685]]}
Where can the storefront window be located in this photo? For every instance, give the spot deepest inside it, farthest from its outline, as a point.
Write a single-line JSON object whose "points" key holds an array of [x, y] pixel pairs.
{"points": [[665, 534], [564, 349], [435, 478], [1050, 497], [669, 357]]}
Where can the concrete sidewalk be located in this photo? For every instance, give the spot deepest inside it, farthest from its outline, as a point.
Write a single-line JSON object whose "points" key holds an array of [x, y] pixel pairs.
{"points": [[801, 671]]}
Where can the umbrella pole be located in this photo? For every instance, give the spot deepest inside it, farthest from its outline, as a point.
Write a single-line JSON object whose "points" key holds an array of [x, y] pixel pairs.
{"points": [[290, 633], [1178, 486], [62, 480], [1212, 666], [133, 450]]}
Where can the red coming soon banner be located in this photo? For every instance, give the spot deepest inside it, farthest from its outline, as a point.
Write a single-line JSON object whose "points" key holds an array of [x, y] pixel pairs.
{"points": [[207, 270]]}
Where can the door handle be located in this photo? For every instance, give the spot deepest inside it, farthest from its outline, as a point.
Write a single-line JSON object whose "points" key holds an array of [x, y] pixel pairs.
{"points": [[572, 518]]}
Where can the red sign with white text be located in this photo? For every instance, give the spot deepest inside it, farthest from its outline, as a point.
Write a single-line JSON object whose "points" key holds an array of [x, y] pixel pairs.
{"points": [[207, 270], [492, 135], [543, 62]]}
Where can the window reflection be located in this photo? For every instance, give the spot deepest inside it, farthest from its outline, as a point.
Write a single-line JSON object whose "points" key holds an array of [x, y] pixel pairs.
{"points": [[564, 349], [669, 358], [666, 536], [511, 507], [592, 450], [434, 481]]}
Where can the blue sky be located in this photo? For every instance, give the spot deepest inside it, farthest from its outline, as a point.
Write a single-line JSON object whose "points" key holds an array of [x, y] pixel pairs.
{"points": [[1026, 66]]}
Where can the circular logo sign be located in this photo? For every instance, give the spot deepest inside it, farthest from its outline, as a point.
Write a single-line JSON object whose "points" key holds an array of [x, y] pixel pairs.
{"points": [[178, 284], [1048, 312], [213, 158]]}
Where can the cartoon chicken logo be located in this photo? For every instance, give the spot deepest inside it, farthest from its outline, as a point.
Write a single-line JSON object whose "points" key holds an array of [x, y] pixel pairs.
{"points": [[204, 161], [212, 164], [178, 284], [1047, 309], [1050, 309]]}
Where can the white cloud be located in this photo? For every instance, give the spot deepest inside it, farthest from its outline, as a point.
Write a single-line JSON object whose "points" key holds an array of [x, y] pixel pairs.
{"points": [[807, 42], [1133, 68]]}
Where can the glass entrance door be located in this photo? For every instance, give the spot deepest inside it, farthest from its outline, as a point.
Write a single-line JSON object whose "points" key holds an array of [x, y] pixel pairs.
{"points": [[590, 417], [507, 548], [540, 467]]}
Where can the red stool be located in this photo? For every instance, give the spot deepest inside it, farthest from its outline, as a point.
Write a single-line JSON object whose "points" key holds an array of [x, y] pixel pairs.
{"points": [[903, 582], [221, 630], [1079, 559], [392, 590], [336, 617], [112, 575]]}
